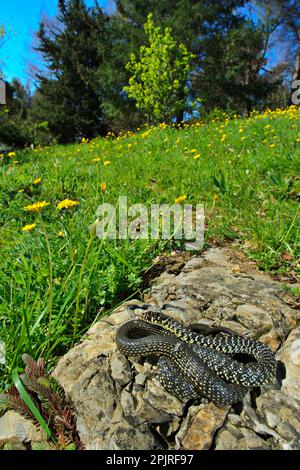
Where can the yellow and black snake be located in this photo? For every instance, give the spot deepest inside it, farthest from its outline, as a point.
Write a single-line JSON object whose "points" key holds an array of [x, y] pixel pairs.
{"points": [[191, 364]]}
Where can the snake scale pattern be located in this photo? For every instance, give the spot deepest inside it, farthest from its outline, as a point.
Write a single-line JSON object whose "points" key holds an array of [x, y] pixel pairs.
{"points": [[190, 364]]}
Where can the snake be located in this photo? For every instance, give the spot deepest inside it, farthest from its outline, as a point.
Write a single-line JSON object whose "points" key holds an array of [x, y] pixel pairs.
{"points": [[192, 365]]}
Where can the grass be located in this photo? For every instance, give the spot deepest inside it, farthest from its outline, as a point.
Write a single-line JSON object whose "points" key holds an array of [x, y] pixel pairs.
{"points": [[57, 278]]}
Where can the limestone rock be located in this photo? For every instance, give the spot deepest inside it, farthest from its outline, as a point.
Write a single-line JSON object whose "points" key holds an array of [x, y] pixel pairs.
{"points": [[19, 433]]}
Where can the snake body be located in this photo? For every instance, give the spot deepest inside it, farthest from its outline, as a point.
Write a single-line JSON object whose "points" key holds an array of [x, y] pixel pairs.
{"points": [[192, 365]]}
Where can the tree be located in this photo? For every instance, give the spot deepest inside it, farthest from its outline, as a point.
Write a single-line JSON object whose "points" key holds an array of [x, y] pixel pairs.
{"points": [[223, 74], [285, 17], [159, 76], [235, 81], [73, 49]]}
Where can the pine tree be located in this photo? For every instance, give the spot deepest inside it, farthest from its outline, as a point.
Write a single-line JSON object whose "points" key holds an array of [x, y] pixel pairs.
{"points": [[73, 48]]}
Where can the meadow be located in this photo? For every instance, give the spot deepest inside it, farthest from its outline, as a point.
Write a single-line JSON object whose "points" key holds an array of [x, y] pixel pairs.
{"points": [[57, 277]]}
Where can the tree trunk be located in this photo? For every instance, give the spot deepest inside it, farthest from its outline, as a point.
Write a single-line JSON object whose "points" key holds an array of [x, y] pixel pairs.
{"points": [[296, 75]]}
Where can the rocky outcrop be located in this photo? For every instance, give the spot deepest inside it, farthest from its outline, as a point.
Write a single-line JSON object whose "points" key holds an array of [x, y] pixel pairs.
{"points": [[119, 402]]}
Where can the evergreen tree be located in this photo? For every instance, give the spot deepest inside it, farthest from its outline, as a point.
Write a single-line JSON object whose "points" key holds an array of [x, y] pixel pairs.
{"points": [[74, 49]]}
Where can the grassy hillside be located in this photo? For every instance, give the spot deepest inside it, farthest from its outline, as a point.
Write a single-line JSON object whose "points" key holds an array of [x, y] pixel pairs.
{"points": [[55, 277]]}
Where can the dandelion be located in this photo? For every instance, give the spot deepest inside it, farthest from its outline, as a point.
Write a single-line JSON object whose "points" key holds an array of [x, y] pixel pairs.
{"points": [[37, 206], [61, 234], [96, 160], [180, 199], [67, 204], [11, 154], [216, 197], [107, 162], [37, 181], [28, 228], [197, 156], [103, 187]]}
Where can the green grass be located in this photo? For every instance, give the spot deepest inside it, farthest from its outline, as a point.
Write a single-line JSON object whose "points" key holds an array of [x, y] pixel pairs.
{"points": [[53, 288]]}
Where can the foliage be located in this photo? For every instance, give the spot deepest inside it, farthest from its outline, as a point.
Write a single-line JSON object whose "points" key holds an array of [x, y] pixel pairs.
{"points": [[37, 390], [17, 132], [159, 76], [69, 96], [244, 171]]}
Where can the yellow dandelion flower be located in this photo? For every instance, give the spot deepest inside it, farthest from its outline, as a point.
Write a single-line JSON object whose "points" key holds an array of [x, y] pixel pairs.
{"points": [[37, 181], [61, 234], [103, 187], [96, 160], [11, 154], [107, 162], [28, 228], [180, 199], [67, 204], [197, 156], [37, 206], [216, 197]]}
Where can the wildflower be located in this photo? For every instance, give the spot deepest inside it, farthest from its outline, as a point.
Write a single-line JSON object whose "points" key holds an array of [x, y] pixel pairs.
{"points": [[272, 146], [37, 206], [61, 234], [67, 204], [103, 187], [180, 199], [11, 154], [107, 162], [28, 228], [197, 156], [216, 197], [37, 181]]}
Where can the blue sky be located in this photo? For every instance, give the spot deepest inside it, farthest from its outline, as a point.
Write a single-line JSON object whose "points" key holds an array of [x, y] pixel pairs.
{"points": [[21, 19]]}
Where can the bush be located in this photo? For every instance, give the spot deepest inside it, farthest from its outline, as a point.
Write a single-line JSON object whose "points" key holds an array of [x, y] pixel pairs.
{"points": [[20, 133]]}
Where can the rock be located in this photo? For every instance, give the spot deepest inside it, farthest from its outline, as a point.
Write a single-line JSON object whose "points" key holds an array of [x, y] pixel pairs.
{"points": [[120, 368], [253, 317], [290, 356], [19, 433], [200, 433], [119, 403]]}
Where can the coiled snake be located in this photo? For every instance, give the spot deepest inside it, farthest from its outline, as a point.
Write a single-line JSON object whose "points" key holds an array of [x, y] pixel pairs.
{"points": [[191, 364]]}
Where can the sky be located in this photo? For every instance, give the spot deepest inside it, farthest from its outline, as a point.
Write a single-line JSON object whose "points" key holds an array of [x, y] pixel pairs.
{"points": [[21, 19]]}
